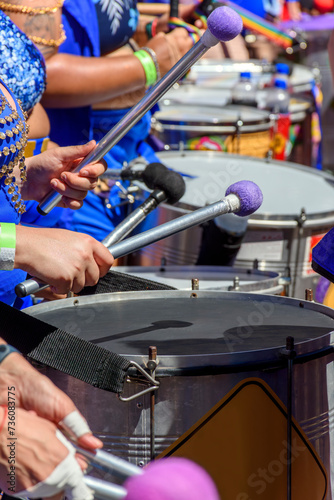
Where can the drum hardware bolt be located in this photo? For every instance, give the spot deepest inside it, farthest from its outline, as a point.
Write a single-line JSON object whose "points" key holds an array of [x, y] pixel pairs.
{"points": [[194, 296], [255, 264], [139, 405], [301, 305], [239, 124], [76, 302], [152, 362], [141, 464], [70, 294], [309, 294], [195, 284], [302, 217]]}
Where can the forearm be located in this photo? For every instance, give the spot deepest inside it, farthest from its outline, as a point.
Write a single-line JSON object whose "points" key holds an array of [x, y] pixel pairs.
{"points": [[75, 81]]}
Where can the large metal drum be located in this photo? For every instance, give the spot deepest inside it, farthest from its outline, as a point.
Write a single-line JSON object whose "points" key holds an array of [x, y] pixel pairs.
{"points": [[298, 208], [207, 343], [232, 128], [217, 278]]}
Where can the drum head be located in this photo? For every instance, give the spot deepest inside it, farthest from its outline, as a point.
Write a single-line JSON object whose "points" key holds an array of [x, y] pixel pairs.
{"points": [[287, 187], [190, 95], [201, 328]]}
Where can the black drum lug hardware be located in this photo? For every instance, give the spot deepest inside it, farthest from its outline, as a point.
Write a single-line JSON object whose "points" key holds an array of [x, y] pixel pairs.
{"points": [[146, 379]]}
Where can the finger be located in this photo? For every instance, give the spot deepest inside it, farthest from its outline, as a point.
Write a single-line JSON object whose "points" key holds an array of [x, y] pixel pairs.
{"points": [[70, 203], [92, 274], [94, 169], [77, 181], [78, 283], [103, 258], [69, 192]]}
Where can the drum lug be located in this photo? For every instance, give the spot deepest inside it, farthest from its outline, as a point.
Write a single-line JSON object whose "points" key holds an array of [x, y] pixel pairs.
{"points": [[154, 384]]}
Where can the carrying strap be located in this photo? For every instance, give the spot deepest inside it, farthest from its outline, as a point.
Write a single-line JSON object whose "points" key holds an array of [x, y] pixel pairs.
{"points": [[63, 351]]}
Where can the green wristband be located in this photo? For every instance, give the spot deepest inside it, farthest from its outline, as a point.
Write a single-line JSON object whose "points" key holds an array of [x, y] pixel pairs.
{"points": [[7, 246], [148, 65]]}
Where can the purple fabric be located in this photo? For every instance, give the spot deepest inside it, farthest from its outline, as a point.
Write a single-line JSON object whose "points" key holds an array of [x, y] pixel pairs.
{"points": [[224, 23], [321, 289], [250, 196], [310, 23], [172, 479]]}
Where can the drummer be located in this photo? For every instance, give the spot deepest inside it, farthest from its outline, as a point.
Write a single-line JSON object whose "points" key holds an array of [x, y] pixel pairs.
{"points": [[39, 449], [76, 82]]}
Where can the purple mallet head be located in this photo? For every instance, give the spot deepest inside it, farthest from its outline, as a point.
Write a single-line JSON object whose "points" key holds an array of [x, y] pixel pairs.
{"points": [[172, 479], [224, 23], [249, 194]]}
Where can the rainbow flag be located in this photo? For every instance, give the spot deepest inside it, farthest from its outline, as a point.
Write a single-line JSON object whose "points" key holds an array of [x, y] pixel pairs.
{"points": [[261, 26]]}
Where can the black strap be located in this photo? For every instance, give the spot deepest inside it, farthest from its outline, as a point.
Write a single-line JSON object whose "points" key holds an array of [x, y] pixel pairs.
{"points": [[63, 351], [114, 281]]}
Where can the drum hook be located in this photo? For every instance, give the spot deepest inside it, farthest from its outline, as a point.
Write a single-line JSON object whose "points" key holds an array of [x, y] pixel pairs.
{"points": [[149, 379]]}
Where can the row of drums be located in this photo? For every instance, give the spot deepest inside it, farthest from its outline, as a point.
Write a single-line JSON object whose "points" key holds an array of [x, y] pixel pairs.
{"points": [[198, 114], [222, 363]]}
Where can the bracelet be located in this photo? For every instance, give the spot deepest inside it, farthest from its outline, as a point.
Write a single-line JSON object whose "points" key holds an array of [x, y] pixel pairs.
{"points": [[2, 425], [5, 350], [154, 59], [148, 65], [154, 26], [7, 246]]}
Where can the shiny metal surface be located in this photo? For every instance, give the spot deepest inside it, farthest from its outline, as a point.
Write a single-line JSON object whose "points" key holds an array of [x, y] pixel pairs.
{"points": [[273, 231], [206, 344]]}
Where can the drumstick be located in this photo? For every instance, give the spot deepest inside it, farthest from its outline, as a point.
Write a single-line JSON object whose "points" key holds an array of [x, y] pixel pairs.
{"points": [[223, 24], [242, 198]]}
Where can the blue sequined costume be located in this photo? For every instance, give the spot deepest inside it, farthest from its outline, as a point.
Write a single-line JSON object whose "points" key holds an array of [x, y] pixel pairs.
{"points": [[22, 66], [22, 69]]}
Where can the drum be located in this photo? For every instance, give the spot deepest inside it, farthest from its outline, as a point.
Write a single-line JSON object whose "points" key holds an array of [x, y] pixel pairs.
{"points": [[233, 129], [297, 209], [207, 343], [224, 74], [299, 148], [210, 278]]}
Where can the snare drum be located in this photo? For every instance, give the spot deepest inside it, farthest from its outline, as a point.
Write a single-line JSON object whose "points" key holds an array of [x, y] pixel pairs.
{"points": [[233, 129], [209, 278], [297, 209], [207, 343]]}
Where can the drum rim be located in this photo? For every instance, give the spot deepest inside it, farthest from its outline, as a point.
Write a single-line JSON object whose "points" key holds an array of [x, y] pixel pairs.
{"points": [[272, 279], [227, 360]]}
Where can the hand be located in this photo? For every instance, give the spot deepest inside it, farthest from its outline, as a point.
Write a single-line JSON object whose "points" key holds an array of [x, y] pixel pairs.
{"points": [[186, 13], [294, 11], [35, 392], [44, 460], [170, 48], [66, 260], [52, 170]]}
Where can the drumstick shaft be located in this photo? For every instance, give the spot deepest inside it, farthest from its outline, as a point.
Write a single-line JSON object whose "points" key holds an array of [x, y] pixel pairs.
{"points": [[137, 112], [230, 203]]}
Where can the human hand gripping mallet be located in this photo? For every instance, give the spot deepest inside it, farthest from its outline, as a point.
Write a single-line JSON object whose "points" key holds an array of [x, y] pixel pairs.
{"points": [[224, 24]]}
